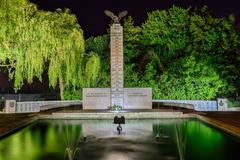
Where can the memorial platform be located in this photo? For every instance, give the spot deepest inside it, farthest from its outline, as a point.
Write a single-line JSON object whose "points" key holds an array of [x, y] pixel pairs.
{"points": [[107, 114]]}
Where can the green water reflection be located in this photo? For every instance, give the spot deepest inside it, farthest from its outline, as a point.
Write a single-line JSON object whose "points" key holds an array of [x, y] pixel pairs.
{"points": [[196, 140], [163, 139]]}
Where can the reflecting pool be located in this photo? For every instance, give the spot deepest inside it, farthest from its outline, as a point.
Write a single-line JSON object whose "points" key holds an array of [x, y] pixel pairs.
{"points": [[167, 139]]}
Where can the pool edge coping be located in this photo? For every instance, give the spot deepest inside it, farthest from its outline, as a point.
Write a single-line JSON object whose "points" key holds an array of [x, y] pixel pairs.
{"points": [[19, 126], [217, 124]]}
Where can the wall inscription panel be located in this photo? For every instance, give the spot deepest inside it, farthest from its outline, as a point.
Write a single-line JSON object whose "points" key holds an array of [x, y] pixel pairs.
{"points": [[96, 98], [137, 98], [134, 98]]}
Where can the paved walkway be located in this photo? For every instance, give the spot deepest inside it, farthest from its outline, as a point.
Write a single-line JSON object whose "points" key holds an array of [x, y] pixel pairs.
{"points": [[228, 121], [12, 122]]}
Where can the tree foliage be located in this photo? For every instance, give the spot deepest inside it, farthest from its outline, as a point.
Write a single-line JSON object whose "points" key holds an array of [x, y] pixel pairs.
{"points": [[91, 69], [100, 45], [199, 52], [33, 40]]}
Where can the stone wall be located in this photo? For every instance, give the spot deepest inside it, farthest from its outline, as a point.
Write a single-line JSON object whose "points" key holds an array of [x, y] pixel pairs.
{"points": [[37, 106], [198, 105], [133, 98]]}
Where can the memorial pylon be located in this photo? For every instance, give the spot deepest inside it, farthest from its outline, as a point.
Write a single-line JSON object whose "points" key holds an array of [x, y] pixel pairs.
{"points": [[117, 95]]}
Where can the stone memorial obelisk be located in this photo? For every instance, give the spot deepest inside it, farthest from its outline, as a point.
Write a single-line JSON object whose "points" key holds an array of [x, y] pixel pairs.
{"points": [[116, 52], [117, 95]]}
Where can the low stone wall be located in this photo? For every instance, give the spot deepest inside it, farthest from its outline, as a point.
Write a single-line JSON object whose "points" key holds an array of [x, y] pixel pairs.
{"points": [[234, 109], [26, 107], [198, 105], [37, 106], [55, 104], [181, 105]]}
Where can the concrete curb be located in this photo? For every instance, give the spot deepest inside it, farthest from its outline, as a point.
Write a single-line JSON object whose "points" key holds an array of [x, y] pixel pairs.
{"points": [[19, 126], [111, 115], [217, 124]]}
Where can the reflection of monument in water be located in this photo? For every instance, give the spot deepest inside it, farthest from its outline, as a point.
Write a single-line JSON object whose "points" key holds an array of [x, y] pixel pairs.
{"points": [[117, 95]]}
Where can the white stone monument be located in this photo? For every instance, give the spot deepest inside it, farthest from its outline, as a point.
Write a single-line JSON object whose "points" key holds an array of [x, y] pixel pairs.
{"points": [[116, 51], [117, 95]]}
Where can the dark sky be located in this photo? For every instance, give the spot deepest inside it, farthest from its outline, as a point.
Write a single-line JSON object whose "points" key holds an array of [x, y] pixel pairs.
{"points": [[93, 21]]}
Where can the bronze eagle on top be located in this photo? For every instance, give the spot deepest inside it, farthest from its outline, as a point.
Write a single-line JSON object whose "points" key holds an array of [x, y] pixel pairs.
{"points": [[115, 18]]}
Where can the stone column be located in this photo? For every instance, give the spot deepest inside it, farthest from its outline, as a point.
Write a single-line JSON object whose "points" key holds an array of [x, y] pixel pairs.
{"points": [[116, 51]]}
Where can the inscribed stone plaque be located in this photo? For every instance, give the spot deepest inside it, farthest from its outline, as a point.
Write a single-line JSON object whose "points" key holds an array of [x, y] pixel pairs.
{"points": [[96, 98], [10, 106], [222, 104], [134, 98], [137, 98]]}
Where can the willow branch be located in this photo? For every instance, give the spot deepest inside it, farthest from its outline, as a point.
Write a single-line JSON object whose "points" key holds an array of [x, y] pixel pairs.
{"points": [[7, 65]]}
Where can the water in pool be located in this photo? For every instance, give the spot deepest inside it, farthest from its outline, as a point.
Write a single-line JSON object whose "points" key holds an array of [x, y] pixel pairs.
{"points": [[166, 139]]}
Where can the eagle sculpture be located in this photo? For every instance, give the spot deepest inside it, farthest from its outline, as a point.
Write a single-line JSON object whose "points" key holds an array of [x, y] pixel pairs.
{"points": [[115, 18]]}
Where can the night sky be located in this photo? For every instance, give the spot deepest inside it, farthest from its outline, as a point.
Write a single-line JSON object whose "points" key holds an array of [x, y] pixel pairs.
{"points": [[94, 22]]}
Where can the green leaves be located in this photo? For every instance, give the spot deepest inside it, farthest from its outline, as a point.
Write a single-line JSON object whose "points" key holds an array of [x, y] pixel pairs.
{"points": [[180, 53], [34, 41], [132, 39], [167, 28], [92, 68], [196, 80], [100, 46]]}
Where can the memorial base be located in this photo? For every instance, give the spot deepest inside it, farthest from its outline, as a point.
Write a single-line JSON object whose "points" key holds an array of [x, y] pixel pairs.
{"points": [[134, 98]]}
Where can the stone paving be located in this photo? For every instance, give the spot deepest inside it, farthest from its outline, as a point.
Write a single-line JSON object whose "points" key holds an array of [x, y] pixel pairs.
{"points": [[227, 121], [11, 122]]}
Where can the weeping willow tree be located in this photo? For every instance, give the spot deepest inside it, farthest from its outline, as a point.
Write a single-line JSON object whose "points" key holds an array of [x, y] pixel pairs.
{"points": [[32, 41], [91, 73], [91, 69]]}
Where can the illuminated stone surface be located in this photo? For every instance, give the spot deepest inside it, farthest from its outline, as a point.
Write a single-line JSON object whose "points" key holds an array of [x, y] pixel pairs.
{"points": [[137, 98], [222, 104], [116, 41], [117, 95], [133, 98], [96, 98], [10, 106]]}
